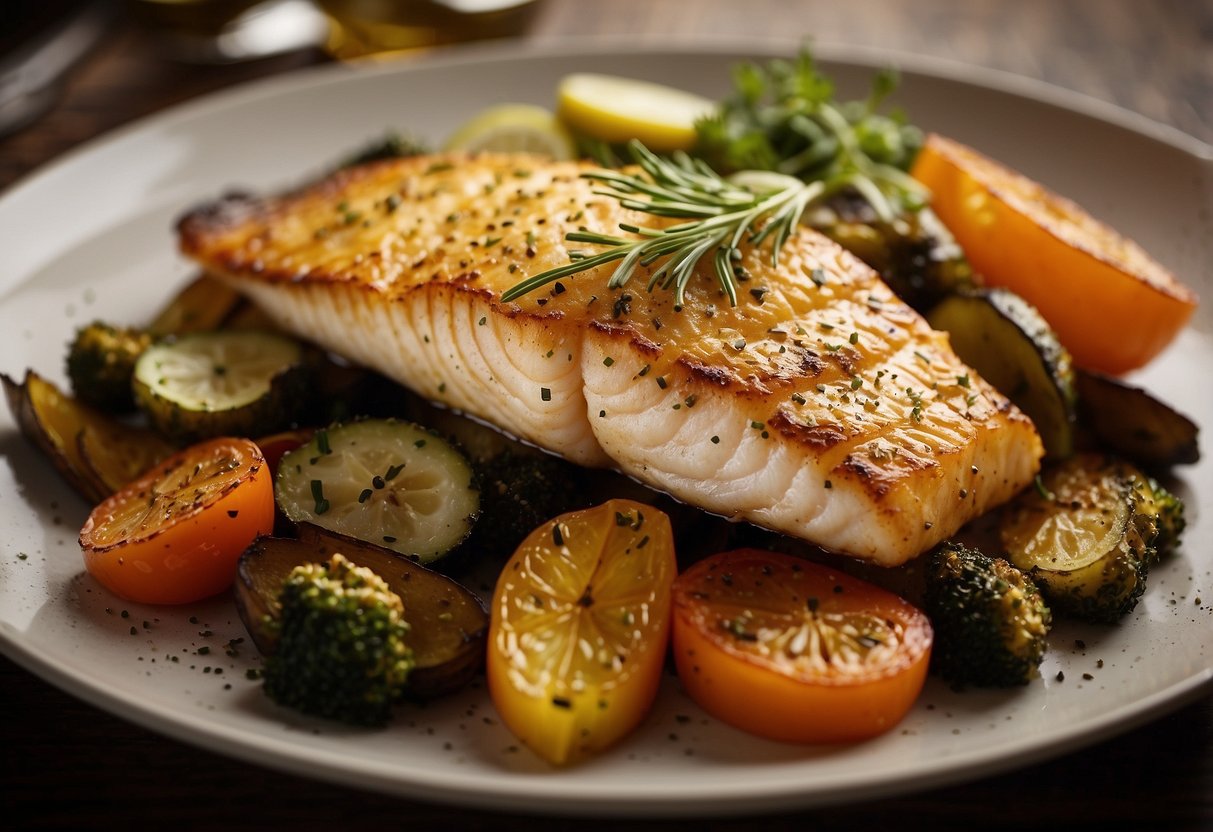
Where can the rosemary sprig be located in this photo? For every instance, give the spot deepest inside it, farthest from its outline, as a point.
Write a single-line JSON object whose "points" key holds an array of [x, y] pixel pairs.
{"points": [[791, 143], [721, 214]]}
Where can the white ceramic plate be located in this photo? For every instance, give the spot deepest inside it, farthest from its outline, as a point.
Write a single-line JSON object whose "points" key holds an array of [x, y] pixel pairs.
{"points": [[90, 236]]}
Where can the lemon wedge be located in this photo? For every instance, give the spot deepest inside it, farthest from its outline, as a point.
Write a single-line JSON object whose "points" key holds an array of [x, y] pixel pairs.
{"points": [[616, 109], [515, 128]]}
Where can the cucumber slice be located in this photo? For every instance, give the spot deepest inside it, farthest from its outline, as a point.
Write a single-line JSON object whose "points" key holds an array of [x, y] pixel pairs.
{"points": [[1005, 339], [394, 484], [220, 383]]}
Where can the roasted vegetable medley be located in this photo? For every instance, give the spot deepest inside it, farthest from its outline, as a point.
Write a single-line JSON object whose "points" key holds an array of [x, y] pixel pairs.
{"points": [[345, 508]]}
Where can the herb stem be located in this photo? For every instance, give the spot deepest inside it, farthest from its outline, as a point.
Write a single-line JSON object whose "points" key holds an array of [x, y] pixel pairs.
{"points": [[721, 216]]}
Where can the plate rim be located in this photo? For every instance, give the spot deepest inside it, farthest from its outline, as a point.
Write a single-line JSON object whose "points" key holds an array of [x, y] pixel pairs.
{"points": [[932, 66], [299, 760]]}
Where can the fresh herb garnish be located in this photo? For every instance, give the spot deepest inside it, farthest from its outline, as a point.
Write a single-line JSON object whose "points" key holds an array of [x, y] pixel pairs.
{"points": [[791, 146], [784, 117], [722, 215]]}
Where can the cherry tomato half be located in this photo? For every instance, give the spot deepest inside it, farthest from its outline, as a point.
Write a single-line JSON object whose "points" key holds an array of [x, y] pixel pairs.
{"points": [[794, 651], [277, 445], [175, 534]]}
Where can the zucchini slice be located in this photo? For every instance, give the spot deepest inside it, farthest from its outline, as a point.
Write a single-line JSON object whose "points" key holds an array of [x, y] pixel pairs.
{"points": [[1129, 421], [394, 484], [1006, 340], [220, 383], [521, 487], [1086, 535]]}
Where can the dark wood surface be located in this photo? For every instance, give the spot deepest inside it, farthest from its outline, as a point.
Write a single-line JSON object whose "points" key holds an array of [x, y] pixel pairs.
{"points": [[68, 765]]}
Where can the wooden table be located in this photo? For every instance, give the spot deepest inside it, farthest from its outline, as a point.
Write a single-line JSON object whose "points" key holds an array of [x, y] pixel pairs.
{"points": [[69, 765]]}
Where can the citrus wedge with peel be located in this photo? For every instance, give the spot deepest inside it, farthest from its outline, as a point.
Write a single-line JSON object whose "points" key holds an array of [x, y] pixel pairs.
{"points": [[614, 109], [579, 625], [1112, 305], [515, 128]]}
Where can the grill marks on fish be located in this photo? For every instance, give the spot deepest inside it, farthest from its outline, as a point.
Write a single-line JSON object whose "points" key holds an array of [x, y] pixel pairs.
{"points": [[820, 406]]}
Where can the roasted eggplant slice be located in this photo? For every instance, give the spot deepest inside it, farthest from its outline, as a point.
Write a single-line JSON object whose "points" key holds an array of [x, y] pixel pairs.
{"points": [[1001, 336], [448, 623], [1130, 422], [95, 453]]}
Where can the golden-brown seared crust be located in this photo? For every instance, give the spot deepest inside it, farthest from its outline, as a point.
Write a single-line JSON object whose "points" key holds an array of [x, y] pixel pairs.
{"points": [[393, 226], [817, 355]]}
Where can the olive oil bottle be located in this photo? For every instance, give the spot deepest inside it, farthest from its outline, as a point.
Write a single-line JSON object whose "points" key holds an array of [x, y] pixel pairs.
{"points": [[364, 27]]}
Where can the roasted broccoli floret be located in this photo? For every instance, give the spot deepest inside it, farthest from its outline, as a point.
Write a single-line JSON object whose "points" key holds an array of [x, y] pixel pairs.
{"points": [[990, 621], [100, 363], [518, 492], [1160, 516], [341, 651]]}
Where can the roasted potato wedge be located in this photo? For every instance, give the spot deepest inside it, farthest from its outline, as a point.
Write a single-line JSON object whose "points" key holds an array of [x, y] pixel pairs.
{"points": [[205, 304], [96, 454], [1130, 422], [118, 453], [449, 623]]}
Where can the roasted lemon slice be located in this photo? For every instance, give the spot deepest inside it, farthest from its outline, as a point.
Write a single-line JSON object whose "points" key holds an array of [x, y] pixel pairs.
{"points": [[515, 128], [579, 624], [614, 109]]}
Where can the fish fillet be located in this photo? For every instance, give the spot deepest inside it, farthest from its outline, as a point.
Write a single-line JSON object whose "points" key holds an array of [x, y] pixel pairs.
{"points": [[820, 406]]}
